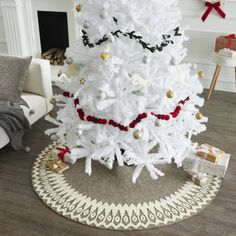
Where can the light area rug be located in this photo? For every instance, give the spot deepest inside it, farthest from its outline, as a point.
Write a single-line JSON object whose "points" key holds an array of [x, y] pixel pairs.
{"points": [[108, 199]]}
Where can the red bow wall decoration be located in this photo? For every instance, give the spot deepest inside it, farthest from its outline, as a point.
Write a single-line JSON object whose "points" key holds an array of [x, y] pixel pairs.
{"points": [[210, 6]]}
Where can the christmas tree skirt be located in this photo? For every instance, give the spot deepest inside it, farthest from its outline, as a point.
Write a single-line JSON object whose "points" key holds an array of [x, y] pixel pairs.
{"points": [[108, 199]]}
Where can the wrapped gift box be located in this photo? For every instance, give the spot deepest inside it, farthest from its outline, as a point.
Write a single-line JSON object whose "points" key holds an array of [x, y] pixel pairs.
{"points": [[210, 153], [196, 164], [57, 166], [63, 153], [225, 42], [198, 179]]}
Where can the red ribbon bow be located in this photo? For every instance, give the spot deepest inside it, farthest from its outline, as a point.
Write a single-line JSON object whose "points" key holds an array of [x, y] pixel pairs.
{"points": [[230, 37], [212, 6], [63, 152]]}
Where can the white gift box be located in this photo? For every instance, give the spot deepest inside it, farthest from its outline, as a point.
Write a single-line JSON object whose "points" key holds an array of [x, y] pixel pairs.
{"points": [[67, 157], [226, 52], [194, 163]]}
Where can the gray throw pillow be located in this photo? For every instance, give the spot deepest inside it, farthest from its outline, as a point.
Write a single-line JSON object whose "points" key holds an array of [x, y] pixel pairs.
{"points": [[13, 71]]}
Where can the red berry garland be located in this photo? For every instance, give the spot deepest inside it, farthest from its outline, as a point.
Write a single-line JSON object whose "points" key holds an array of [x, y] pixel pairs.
{"points": [[134, 123]]}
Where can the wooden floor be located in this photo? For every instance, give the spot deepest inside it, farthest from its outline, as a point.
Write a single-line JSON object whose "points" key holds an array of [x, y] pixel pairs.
{"points": [[23, 214]]}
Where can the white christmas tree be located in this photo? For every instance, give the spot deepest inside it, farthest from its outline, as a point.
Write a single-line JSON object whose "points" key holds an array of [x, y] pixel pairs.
{"points": [[126, 97]]}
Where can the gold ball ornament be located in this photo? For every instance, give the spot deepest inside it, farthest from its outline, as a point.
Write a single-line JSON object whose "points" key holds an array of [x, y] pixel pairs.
{"points": [[82, 81], [53, 101], [59, 74], [199, 116], [105, 56], [137, 134], [201, 74], [170, 94], [78, 7]]}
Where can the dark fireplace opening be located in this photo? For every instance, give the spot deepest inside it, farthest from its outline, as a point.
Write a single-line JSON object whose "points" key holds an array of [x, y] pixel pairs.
{"points": [[54, 36]]}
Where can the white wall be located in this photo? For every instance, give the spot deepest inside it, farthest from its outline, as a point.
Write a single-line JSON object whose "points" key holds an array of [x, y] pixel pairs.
{"points": [[202, 38], [3, 42]]}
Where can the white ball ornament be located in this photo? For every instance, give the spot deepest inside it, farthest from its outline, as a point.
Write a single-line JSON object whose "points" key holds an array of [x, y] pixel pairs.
{"points": [[80, 132], [101, 95], [158, 123], [146, 60], [69, 60], [111, 38], [27, 149], [86, 25], [104, 14]]}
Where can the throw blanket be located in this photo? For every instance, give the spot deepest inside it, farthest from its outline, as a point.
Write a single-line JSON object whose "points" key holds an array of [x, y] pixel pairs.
{"points": [[14, 122]]}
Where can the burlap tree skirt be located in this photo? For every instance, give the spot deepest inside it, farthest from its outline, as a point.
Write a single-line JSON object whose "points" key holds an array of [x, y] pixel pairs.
{"points": [[108, 199]]}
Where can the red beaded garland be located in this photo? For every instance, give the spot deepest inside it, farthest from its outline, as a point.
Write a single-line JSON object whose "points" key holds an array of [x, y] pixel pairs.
{"points": [[76, 102], [133, 124], [89, 118], [66, 94]]}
